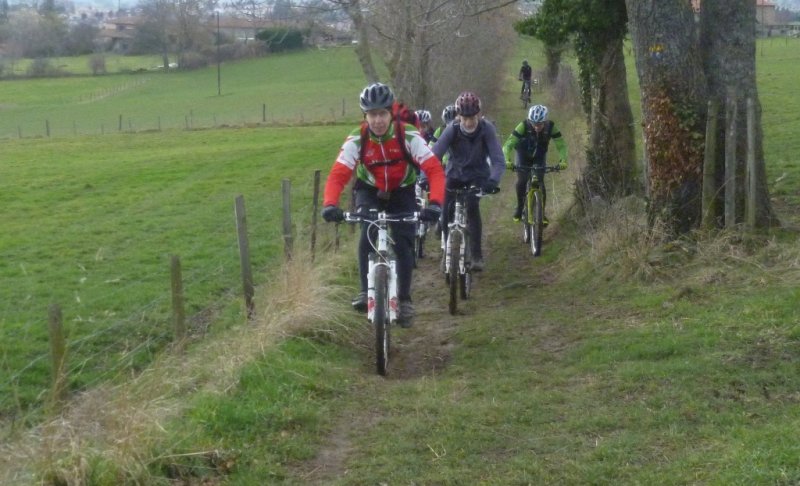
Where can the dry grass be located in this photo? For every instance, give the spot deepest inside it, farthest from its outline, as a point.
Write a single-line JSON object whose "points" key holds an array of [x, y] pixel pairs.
{"points": [[119, 425]]}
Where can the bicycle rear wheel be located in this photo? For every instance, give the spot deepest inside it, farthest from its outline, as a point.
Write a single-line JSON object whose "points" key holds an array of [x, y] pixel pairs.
{"points": [[381, 320], [452, 272], [538, 224]]}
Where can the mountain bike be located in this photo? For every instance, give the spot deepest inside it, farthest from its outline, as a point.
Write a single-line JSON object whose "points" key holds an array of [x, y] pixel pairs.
{"points": [[526, 93], [457, 255], [382, 302], [533, 209], [422, 226]]}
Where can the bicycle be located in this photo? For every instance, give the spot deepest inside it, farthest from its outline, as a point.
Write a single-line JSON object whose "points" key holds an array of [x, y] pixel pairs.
{"points": [[382, 301], [525, 96], [533, 210], [456, 249], [422, 226]]}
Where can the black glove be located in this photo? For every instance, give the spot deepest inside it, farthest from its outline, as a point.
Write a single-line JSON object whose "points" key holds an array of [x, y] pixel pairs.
{"points": [[424, 185], [432, 213], [332, 214], [490, 187]]}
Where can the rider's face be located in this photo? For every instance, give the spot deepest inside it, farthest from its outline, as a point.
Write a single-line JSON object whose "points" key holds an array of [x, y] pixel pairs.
{"points": [[538, 126], [378, 121], [469, 123]]}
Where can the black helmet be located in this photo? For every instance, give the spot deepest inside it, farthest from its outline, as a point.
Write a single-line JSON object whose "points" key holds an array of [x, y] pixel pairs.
{"points": [[375, 97]]}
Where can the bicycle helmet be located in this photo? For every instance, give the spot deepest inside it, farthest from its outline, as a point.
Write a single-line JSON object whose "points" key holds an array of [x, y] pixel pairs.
{"points": [[525, 62], [424, 116], [448, 114], [376, 96], [468, 104], [537, 113]]}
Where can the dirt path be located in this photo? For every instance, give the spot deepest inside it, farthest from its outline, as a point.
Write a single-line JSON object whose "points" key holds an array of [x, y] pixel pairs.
{"points": [[422, 351]]}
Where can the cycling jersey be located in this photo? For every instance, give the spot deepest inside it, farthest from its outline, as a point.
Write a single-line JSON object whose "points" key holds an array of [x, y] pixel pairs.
{"points": [[384, 166], [531, 145]]}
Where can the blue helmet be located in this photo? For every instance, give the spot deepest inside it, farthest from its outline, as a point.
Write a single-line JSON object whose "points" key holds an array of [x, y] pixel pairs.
{"points": [[537, 113]]}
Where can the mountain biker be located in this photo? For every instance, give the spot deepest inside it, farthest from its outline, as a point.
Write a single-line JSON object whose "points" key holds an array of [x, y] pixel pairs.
{"points": [[385, 179], [425, 128], [448, 115], [470, 140], [525, 76], [531, 138]]}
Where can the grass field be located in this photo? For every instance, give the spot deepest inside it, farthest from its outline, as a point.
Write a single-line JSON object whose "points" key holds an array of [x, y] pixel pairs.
{"points": [[589, 365], [315, 86]]}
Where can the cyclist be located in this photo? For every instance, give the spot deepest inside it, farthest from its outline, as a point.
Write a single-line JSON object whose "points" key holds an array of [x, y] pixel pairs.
{"points": [[425, 128], [470, 140], [531, 138], [525, 76], [448, 115], [385, 179]]}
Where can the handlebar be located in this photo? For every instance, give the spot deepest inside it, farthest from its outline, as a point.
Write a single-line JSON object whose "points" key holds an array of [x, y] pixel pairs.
{"points": [[380, 217], [471, 190]]}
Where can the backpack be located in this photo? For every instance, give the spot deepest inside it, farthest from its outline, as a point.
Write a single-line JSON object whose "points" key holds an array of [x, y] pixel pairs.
{"points": [[401, 116]]}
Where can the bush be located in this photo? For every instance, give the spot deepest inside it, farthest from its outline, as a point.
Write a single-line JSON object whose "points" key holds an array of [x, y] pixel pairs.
{"points": [[192, 60], [42, 68], [97, 64], [279, 39]]}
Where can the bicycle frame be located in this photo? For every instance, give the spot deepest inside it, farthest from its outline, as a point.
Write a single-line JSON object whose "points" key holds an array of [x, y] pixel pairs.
{"points": [[459, 226], [381, 256]]}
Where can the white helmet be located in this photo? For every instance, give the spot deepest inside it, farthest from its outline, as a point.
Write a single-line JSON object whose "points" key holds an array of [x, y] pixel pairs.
{"points": [[537, 113], [424, 116]]}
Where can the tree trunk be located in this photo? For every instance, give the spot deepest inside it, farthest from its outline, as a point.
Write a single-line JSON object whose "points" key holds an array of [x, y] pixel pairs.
{"points": [[673, 108], [727, 42], [610, 173], [353, 9]]}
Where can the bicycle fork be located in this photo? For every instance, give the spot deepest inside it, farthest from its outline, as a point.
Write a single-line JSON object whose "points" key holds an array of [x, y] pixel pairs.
{"points": [[391, 270]]}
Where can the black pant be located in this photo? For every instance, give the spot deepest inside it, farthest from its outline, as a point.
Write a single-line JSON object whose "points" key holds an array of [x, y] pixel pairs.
{"points": [[401, 200], [474, 225]]}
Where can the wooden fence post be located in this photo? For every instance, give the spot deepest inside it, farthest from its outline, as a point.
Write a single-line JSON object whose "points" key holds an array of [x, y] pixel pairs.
{"points": [[709, 163], [314, 211], [47, 127], [58, 352], [244, 256], [750, 207], [730, 159], [178, 313], [286, 191], [264, 112], [120, 124]]}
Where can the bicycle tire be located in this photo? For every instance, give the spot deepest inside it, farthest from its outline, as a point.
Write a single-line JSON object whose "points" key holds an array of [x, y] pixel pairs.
{"points": [[453, 271], [381, 320], [465, 279], [526, 225], [538, 225]]}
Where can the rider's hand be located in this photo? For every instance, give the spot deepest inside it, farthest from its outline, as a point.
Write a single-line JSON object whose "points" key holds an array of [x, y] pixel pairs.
{"points": [[424, 185], [490, 187], [562, 164], [431, 213], [332, 214]]}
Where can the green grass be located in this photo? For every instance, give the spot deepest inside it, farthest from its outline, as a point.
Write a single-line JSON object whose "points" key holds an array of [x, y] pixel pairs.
{"points": [[90, 223], [313, 86], [562, 370]]}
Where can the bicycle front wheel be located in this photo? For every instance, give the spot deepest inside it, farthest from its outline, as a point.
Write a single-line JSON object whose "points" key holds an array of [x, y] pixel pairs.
{"points": [[538, 224], [381, 319], [465, 279], [453, 271], [526, 224]]}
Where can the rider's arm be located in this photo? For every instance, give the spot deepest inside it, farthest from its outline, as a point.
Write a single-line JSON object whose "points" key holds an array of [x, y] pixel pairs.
{"points": [[561, 144], [445, 139], [496, 159], [513, 140], [342, 171], [430, 165]]}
